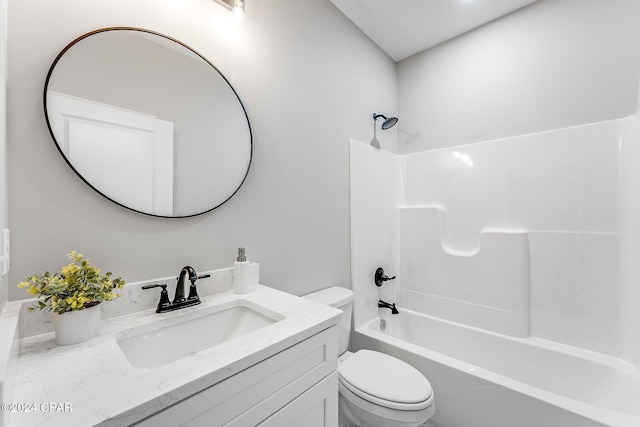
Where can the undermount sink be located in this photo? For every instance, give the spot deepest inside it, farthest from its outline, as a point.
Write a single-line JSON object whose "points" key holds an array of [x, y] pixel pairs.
{"points": [[168, 340]]}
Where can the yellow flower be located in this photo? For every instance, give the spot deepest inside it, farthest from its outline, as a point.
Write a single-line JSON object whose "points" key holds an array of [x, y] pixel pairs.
{"points": [[69, 270], [111, 296], [77, 257], [23, 284], [33, 290]]}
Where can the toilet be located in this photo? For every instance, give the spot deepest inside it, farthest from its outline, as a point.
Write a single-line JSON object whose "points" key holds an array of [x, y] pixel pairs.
{"points": [[375, 389]]}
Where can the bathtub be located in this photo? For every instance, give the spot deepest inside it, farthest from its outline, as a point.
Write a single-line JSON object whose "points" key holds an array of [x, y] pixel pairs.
{"points": [[486, 379]]}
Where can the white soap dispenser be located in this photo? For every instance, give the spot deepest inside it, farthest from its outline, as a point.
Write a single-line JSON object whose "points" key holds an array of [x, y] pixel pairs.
{"points": [[241, 282]]}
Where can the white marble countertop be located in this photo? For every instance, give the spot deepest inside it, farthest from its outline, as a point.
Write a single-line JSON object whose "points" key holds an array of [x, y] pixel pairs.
{"points": [[92, 383]]}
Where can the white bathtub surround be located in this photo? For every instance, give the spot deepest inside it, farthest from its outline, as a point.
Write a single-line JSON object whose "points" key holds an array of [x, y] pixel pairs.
{"points": [[562, 192], [533, 237], [103, 388]]}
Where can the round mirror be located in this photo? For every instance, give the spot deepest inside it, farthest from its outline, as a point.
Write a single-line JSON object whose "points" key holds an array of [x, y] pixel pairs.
{"points": [[148, 122]]}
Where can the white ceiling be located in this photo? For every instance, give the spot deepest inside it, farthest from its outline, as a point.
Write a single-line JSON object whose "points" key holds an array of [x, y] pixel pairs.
{"points": [[404, 27]]}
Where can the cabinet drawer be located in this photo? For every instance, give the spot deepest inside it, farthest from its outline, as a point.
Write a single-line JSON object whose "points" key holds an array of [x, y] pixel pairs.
{"points": [[254, 394], [317, 407]]}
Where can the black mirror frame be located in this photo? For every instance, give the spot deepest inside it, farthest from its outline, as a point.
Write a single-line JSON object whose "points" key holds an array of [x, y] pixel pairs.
{"points": [[101, 30]]}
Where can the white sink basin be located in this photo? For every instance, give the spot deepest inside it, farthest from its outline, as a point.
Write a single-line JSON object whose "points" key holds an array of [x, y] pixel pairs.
{"points": [[172, 339]]}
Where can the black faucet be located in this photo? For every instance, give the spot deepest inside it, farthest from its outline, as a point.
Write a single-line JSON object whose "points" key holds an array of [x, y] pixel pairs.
{"points": [[382, 304], [179, 301], [179, 296]]}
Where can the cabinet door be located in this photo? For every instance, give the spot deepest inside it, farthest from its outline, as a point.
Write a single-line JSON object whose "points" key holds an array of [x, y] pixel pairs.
{"points": [[317, 407]]}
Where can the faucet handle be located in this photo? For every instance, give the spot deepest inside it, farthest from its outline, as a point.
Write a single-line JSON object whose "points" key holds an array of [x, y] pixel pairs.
{"points": [[193, 292], [164, 296], [163, 286], [380, 277]]}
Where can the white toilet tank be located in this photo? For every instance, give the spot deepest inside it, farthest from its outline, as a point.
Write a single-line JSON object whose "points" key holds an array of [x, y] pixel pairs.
{"points": [[342, 299]]}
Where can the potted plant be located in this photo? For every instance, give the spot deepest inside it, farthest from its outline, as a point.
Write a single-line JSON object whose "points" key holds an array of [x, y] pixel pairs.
{"points": [[74, 294]]}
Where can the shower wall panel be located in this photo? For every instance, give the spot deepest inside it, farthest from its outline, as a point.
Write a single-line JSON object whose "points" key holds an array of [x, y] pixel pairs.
{"points": [[375, 183], [487, 288], [561, 188], [525, 236]]}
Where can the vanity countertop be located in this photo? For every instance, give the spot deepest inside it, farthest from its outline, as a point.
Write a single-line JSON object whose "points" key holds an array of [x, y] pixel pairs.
{"points": [[92, 383]]}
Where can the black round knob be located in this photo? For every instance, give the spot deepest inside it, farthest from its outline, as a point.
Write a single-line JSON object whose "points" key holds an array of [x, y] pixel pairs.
{"points": [[379, 278]]}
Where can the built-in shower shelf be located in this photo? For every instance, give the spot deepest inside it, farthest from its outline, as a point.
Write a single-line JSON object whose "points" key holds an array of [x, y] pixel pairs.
{"points": [[486, 285], [472, 244], [489, 283]]}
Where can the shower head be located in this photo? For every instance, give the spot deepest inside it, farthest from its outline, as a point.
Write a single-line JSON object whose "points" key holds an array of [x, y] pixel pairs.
{"points": [[388, 122]]}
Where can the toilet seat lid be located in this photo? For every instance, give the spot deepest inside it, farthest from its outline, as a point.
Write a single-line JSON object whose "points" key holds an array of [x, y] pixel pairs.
{"points": [[385, 377]]}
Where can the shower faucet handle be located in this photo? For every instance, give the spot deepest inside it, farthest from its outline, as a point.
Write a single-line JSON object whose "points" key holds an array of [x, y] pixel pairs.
{"points": [[379, 278]]}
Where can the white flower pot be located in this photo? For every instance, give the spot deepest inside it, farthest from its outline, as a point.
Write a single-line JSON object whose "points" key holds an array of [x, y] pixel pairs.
{"points": [[74, 327]]}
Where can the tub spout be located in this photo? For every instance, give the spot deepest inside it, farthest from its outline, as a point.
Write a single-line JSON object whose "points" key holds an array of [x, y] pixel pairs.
{"points": [[382, 304]]}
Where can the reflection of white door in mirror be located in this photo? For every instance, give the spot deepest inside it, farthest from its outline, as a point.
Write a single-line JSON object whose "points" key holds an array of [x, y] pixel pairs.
{"points": [[137, 146], [155, 76]]}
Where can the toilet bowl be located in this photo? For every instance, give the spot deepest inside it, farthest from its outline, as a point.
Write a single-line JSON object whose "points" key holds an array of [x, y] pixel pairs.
{"points": [[379, 390], [375, 389]]}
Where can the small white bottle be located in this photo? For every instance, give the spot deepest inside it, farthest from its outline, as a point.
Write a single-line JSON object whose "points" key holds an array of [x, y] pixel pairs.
{"points": [[241, 282]]}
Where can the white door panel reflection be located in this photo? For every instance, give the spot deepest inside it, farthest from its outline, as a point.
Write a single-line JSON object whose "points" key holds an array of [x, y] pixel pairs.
{"points": [[147, 81], [126, 154]]}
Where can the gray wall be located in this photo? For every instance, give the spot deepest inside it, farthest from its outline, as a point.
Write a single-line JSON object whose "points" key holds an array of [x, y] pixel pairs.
{"points": [[309, 80], [553, 64], [3, 129]]}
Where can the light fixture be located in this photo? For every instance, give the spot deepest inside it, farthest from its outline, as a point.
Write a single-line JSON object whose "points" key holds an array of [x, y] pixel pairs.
{"points": [[235, 6], [238, 10]]}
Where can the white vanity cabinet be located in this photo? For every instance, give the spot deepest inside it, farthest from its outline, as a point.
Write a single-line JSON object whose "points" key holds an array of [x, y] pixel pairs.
{"points": [[277, 375], [295, 387]]}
